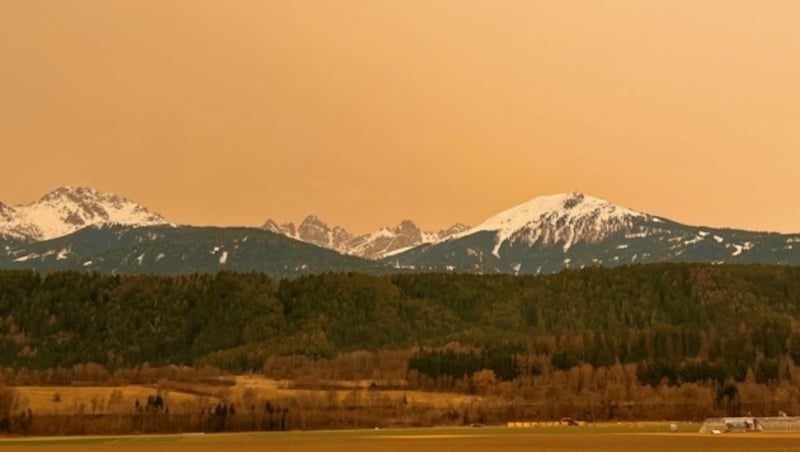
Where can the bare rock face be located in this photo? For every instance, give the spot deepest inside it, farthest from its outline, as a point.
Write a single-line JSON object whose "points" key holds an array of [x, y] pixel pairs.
{"points": [[313, 230], [386, 240]]}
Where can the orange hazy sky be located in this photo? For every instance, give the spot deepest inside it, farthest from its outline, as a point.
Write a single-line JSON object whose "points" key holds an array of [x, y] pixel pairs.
{"points": [[369, 112]]}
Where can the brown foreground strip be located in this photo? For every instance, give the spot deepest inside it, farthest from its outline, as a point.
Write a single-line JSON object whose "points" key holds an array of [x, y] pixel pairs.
{"points": [[490, 441]]}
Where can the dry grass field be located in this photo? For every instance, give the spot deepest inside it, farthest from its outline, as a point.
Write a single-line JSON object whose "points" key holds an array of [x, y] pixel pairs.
{"points": [[488, 439]]}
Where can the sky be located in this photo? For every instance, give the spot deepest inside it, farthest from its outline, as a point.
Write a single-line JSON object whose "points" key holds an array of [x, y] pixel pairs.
{"points": [[368, 112]]}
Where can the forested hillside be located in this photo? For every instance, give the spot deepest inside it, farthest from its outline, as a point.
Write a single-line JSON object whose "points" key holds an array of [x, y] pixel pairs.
{"points": [[678, 322], [168, 250]]}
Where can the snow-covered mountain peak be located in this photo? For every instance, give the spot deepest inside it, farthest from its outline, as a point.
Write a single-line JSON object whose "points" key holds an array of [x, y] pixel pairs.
{"points": [[564, 207], [286, 229], [374, 245], [73, 193], [86, 197], [407, 227], [454, 229], [566, 217], [270, 225], [314, 230], [67, 209], [313, 221]]}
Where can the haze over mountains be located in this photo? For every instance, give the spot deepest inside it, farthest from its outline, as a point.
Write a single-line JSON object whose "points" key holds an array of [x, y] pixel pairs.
{"points": [[82, 228]]}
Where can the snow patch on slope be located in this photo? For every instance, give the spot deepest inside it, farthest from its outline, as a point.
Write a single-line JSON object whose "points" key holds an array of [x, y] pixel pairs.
{"points": [[27, 257], [738, 249]]}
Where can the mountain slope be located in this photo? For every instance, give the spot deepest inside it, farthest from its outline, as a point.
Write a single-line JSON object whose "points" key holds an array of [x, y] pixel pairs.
{"points": [[66, 210], [572, 230], [171, 250], [566, 218]]}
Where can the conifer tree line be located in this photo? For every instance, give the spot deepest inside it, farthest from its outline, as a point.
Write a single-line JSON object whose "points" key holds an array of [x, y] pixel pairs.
{"points": [[677, 323]]}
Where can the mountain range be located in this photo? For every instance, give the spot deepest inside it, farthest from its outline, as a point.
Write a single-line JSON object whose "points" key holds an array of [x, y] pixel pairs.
{"points": [[384, 242], [85, 229]]}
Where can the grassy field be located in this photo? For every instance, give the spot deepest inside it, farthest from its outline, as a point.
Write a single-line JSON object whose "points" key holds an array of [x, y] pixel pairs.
{"points": [[649, 437], [269, 388], [72, 399], [41, 399]]}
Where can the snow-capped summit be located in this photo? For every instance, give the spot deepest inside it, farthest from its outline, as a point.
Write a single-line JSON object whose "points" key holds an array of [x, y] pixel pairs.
{"points": [[286, 229], [387, 240], [457, 228], [565, 218], [68, 209], [406, 235], [314, 230]]}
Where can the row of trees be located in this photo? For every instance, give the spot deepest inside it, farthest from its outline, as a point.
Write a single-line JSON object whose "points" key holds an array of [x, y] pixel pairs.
{"points": [[677, 322], [583, 392]]}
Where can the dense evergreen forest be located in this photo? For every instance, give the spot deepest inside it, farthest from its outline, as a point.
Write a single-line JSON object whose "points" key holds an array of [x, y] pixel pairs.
{"points": [[677, 322]]}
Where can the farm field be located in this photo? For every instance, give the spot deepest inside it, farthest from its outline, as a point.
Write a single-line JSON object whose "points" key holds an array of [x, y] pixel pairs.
{"points": [[601, 438]]}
